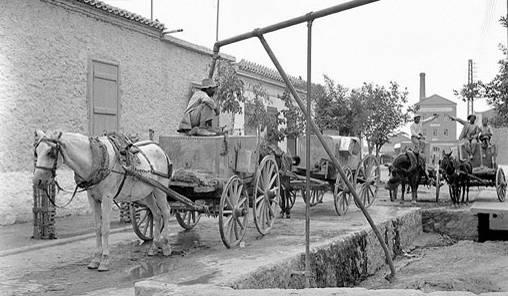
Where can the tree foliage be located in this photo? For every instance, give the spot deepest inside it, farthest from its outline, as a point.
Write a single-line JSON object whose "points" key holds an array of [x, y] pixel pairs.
{"points": [[496, 90], [332, 107], [378, 112], [230, 92], [292, 116]]}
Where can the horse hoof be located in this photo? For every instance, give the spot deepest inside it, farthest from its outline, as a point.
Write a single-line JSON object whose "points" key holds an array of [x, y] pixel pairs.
{"points": [[104, 266], [151, 252], [93, 265], [166, 251]]}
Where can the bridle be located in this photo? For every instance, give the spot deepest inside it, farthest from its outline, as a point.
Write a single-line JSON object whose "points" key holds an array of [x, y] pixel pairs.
{"points": [[56, 150]]}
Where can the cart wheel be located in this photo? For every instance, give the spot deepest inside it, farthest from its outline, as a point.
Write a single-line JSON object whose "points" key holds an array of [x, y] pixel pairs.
{"points": [[500, 184], [142, 221], [316, 196], [341, 194], [187, 219], [233, 212], [367, 180], [266, 194], [289, 196], [438, 184]]}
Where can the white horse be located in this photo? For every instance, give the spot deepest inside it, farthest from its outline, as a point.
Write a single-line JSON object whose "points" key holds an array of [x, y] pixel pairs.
{"points": [[54, 149]]}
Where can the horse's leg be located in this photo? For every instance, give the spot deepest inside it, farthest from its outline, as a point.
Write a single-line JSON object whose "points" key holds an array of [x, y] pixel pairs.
{"points": [[96, 208], [150, 203], [107, 204], [162, 204]]}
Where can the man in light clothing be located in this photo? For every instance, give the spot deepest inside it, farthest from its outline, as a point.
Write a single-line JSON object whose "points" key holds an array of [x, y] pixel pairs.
{"points": [[201, 110], [417, 137]]}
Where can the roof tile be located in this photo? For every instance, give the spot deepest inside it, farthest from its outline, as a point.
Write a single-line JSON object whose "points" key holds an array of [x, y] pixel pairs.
{"points": [[123, 13]]}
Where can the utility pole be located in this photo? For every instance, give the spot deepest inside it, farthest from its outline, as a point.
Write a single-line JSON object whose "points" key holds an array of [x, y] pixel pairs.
{"points": [[470, 95], [217, 23], [151, 10]]}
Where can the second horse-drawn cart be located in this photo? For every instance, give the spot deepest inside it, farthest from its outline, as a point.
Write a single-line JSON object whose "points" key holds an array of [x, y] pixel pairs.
{"points": [[364, 172], [217, 176]]}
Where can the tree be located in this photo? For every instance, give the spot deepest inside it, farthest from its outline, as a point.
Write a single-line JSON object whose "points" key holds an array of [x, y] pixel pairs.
{"points": [[230, 92], [377, 112], [332, 107], [292, 116]]}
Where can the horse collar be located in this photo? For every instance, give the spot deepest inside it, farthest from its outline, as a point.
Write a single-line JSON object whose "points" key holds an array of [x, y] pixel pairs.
{"points": [[100, 165]]}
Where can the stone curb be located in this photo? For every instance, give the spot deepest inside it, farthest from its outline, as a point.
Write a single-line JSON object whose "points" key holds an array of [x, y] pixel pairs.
{"points": [[57, 242]]}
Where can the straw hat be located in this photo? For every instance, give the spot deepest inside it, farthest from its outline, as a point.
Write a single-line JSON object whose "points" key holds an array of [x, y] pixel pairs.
{"points": [[208, 83]]}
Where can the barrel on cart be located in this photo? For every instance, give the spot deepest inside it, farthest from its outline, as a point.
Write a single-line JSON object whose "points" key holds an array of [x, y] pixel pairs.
{"points": [[363, 172], [218, 176]]}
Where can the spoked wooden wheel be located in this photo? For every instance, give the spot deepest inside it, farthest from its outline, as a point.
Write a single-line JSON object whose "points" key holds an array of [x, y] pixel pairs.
{"points": [[187, 219], [288, 195], [266, 195], [341, 193], [367, 180], [500, 184], [316, 196], [142, 221], [233, 212]]}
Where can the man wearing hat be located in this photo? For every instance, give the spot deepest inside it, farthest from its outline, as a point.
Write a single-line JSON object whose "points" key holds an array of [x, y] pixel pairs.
{"points": [[201, 110], [417, 137], [469, 134]]}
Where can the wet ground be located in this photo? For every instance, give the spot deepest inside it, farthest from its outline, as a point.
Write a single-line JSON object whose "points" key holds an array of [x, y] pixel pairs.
{"points": [[199, 256], [437, 263], [61, 270]]}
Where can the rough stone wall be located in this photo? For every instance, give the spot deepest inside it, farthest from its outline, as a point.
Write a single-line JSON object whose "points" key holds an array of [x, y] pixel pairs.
{"points": [[459, 224], [341, 263], [500, 138], [46, 51]]}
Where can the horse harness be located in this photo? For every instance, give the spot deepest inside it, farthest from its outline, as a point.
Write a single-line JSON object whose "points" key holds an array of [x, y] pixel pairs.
{"points": [[124, 149]]}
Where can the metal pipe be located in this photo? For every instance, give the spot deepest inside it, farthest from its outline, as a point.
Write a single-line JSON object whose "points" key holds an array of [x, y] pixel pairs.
{"points": [[307, 156], [329, 152], [287, 23]]}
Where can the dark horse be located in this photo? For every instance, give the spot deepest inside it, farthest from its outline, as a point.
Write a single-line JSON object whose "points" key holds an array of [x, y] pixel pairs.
{"points": [[407, 168], [456, 173]]}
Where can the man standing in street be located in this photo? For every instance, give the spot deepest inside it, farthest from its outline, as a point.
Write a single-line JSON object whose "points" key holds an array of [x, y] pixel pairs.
{"points": [[417, 137]]}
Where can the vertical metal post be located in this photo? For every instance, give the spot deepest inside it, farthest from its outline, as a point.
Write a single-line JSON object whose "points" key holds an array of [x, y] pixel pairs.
{"points": [[151, 10], [307, 156], [329, 152], [217, 24]]}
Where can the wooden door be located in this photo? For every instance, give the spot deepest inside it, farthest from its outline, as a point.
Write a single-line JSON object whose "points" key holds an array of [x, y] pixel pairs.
{"points": [[104, 98]]}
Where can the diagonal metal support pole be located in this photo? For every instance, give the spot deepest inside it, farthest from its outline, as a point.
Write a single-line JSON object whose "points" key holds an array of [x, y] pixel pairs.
{"points": [[328, 151]]}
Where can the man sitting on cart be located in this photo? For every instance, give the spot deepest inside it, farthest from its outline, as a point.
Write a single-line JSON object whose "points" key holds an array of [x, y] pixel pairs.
{"points": [[469, 135], [417, 137], [201, 110]]}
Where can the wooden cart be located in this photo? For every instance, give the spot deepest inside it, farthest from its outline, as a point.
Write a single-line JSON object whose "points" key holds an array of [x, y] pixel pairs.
{"points": [[364, 173], [219, 176]]}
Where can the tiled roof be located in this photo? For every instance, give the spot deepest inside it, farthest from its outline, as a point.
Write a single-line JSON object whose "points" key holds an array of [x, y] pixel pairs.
{"points": [[270, 73], [123, 13]]}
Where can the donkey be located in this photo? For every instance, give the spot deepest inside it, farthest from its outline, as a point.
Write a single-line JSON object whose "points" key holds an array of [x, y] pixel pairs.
{"points": [[456, 174], [97, 168], [407, 168]]}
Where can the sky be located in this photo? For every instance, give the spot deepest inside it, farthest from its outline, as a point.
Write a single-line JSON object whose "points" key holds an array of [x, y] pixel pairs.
{"points": [[389, 40]]}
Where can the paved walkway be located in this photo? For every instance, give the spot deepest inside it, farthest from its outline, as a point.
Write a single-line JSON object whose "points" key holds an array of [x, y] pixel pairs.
{"points": [[19, 236]]}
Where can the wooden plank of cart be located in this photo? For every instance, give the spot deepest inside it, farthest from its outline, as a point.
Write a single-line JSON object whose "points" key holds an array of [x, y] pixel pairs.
{"points": [[364, 172], [218, 176]]}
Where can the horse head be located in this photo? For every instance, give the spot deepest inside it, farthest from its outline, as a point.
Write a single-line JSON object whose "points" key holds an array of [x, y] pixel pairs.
{"points": [[48, 157], [447, 164]]}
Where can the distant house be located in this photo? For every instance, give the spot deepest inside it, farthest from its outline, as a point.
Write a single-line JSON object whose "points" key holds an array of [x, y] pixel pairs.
{"points": [[389, 148]]}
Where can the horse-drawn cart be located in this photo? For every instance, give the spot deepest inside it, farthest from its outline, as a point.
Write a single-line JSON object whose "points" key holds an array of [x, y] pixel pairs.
{"points": [[217, 176], [485, 170], [324, 175]]}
